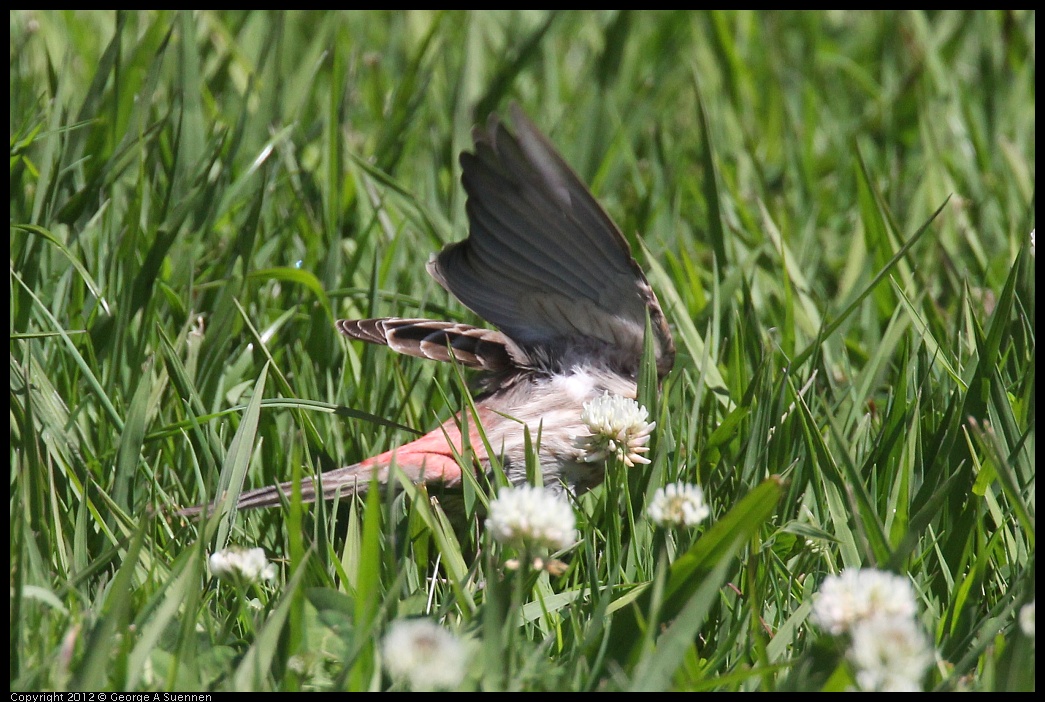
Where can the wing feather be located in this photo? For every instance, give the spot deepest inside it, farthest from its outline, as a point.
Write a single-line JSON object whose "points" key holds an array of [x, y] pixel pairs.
{"points": [[485, 349], [543, 261]]}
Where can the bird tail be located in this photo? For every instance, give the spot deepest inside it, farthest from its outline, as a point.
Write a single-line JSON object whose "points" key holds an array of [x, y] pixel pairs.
{"points": [[430, 459], [343, 482]]}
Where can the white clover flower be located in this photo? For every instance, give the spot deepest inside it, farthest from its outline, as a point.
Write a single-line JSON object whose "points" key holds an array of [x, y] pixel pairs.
{"points": [[245, 565], [528, 516], [298, 664], [424, 655], [678, 505], [889, 654], [1027, 619], [618, 427], [857, 595]]}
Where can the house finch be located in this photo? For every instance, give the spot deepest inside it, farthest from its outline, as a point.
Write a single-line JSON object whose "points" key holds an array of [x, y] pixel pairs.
{"points": [[544, 263]]}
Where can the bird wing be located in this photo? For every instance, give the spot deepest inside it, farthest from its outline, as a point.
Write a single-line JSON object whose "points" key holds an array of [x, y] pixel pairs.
{"points": [[543, 261], [474, 347]]}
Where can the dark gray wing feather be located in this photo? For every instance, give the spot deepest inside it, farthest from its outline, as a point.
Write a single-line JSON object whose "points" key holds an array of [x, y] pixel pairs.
{"points": [[543, 261]]}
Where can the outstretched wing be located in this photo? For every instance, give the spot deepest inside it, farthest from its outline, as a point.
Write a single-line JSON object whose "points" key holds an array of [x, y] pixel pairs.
{"points": [[484, 349], [543, 261]]}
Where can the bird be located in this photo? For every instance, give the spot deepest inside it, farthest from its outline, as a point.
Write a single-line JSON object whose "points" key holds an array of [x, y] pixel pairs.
{"points": [[545, 264]]}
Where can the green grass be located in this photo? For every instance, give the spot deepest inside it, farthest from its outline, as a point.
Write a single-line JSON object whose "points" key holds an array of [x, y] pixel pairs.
{"points": [[195, 198]]}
